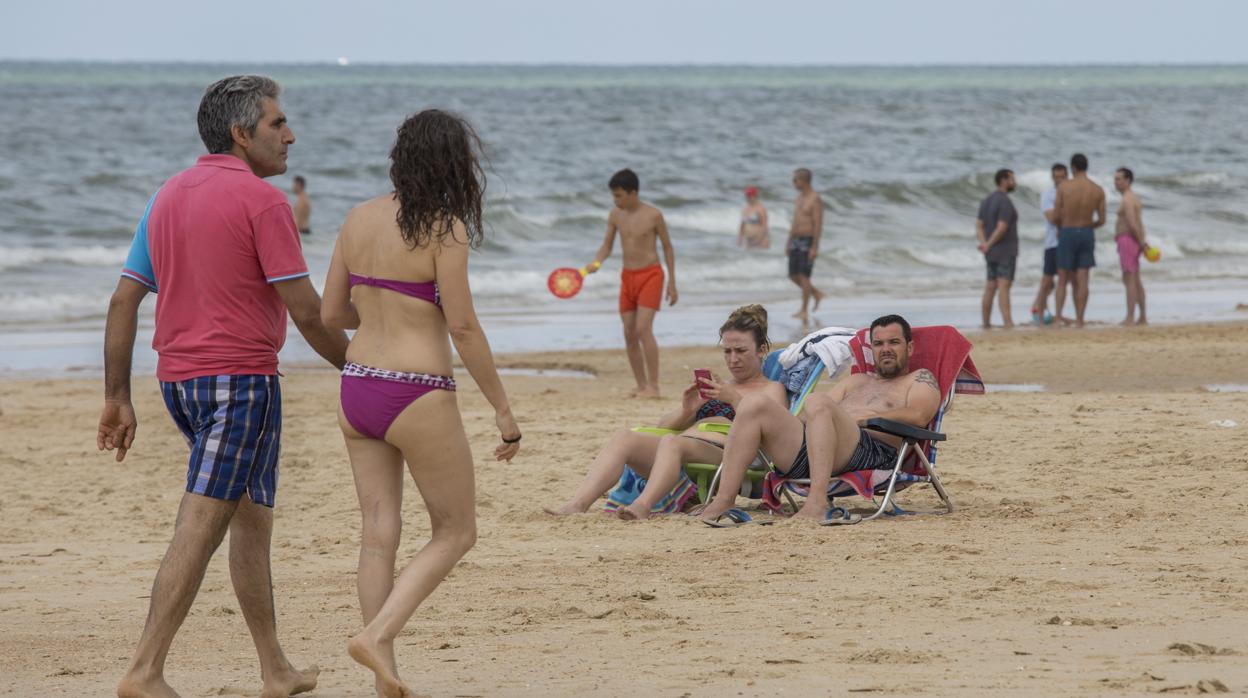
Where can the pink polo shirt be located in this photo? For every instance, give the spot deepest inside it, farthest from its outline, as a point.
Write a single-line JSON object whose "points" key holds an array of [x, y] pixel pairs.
{"points": [[214, 239]]}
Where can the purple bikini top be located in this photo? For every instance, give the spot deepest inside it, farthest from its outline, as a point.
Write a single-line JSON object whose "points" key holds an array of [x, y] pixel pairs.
{"points": [[424, 290]]}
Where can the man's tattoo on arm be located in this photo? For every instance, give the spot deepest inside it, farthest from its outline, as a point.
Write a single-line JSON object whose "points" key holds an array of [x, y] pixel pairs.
{"points": [[925, 376]]}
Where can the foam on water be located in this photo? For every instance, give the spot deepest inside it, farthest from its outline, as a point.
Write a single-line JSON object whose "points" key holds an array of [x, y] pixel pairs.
{"points": [[902, 158]]}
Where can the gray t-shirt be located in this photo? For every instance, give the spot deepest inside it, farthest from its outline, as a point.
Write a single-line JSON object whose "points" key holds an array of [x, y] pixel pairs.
{"points": [[998, 207]]}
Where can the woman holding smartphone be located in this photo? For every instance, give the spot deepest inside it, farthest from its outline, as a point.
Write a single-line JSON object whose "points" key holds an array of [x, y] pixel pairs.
{"points": [[399, 277], [659, 459]]}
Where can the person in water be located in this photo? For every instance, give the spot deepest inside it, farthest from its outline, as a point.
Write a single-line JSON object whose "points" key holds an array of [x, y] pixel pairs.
{"points": [[753, 233], [399, 277], [659, 459]]}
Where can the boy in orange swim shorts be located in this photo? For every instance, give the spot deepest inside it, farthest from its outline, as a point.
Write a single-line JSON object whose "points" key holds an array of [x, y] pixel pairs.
{"points": [[639, 226]]}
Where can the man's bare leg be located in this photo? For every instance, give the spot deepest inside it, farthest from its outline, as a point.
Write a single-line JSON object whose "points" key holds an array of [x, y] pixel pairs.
{"points": [[1142, 318], [1041, 303], [831, 437], [763, 422], [626, 447], [672, 454], [201, 525], [1059, 300], [1081, 294], [650, 351], [1128, 284], [802, 282], [251, 532], [632, 347], [1003, 302], [985, 303]]}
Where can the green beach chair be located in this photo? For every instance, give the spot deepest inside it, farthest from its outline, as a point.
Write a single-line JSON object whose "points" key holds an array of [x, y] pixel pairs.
{"points": [[706, 475]]}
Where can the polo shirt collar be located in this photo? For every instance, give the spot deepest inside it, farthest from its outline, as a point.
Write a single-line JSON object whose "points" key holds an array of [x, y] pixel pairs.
{"points": [[223, 160]]}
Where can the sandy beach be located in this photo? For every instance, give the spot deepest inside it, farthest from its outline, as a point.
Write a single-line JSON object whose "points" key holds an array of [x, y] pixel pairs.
{"points": [[1099, 546]]}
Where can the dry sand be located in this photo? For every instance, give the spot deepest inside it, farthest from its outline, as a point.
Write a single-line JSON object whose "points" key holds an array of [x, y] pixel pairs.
{"points": [[1099, 547]]}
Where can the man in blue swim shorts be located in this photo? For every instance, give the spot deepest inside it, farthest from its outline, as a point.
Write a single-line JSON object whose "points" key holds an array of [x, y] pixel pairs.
{"points": [[1080, 209]]}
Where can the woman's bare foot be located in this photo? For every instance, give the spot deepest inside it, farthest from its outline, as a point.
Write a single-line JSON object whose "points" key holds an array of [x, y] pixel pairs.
{"points": [[713, 511], [633, 513], [290, 682], [132, 686], [650, 392], [372, 655], [566, 510]]}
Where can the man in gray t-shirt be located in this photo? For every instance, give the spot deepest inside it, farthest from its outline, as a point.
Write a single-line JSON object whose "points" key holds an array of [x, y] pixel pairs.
{"points": [[996, 228]]}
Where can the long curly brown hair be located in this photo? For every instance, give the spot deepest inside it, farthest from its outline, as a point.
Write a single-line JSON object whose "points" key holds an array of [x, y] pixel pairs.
{"points": [[437, 177]]}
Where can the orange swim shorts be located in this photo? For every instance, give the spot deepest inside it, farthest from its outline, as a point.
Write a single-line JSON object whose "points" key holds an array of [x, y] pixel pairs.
{"points": [[642, 287]]}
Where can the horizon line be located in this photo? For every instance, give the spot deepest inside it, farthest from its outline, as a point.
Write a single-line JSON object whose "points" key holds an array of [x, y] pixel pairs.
{"points": [[335, 63]]}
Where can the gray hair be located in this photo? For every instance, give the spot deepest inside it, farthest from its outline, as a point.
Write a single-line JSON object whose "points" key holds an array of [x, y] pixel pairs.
{"points": [[234, 101]]}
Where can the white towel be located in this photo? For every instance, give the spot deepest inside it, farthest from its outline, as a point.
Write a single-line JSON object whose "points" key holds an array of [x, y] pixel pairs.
{"points": [[830, 344]]}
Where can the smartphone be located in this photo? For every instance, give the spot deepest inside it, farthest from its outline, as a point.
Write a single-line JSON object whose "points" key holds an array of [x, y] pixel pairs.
{"points": [[699, 375]]}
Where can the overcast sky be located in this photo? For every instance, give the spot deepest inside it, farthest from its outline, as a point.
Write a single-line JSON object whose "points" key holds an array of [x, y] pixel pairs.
{"points": [[630, 31]]}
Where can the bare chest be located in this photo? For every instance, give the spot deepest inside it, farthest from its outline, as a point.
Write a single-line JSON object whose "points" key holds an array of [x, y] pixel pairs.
{"points": [[875, 396]]}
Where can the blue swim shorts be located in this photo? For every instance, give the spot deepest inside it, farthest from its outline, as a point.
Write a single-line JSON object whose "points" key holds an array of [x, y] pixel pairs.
{"points": [[1076, 248], [1050, 261], [233, 425]]}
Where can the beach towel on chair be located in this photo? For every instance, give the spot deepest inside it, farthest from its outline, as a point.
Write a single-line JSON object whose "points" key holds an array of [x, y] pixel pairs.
{"points": [[631, 484]]}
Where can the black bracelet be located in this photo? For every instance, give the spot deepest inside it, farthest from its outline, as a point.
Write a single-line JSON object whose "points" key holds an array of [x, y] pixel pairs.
{"points": [[513, 441]]}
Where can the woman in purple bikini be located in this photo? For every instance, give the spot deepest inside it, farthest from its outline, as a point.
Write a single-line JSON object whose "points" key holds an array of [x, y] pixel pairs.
{"points": [[399, 277]]}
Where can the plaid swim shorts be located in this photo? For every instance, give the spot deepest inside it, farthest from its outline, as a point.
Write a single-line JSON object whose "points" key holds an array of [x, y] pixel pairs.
{"points": [[233, 425]]}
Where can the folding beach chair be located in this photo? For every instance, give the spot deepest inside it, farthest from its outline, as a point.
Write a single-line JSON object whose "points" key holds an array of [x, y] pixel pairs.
{"points": [[947, 354], [704, 477]]}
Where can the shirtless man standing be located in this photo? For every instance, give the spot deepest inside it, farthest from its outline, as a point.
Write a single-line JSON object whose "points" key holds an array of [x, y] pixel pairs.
{"points": [[1129, 234], [641, 281], [832, 440], [302, 207], [803, 244], [1080, 208]]}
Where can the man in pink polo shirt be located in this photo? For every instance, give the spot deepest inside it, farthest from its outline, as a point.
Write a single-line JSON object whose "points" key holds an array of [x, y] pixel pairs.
{"points": [[218, 246]]}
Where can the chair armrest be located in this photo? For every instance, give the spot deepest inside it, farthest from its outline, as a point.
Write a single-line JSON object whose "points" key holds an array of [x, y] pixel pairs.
{"points": [[657, 431], [905, 431], [715, 427]]}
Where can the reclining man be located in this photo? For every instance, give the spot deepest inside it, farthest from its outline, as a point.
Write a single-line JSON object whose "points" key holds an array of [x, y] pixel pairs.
{"points": [[831, 440]]}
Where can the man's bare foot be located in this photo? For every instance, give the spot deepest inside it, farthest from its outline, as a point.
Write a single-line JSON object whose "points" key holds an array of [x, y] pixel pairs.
{"points": [[1141, 321], [631, 513], [566, 510], [985, 326], [290, 682], [372, 655], [818, 297], [1079, 324], [811, 513], [137, 687], [1007, 326], [1127, 323], [650, 392], [1062, 321]]}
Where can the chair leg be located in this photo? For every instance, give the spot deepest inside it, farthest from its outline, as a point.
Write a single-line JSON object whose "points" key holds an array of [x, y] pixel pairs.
{"points": [[936, 483], [892, 482]]}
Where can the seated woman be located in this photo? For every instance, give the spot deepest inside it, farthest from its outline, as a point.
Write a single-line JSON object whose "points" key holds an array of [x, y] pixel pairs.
{"points": [[659, 459]]}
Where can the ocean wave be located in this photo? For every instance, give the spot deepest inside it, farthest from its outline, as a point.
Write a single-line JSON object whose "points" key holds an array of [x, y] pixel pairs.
{"points": [[86, 256], [1193, 180], [51, 307]]}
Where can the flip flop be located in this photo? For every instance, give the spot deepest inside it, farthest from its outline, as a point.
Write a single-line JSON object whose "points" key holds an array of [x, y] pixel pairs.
{"points": [[736, 517], [838, 516]]}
